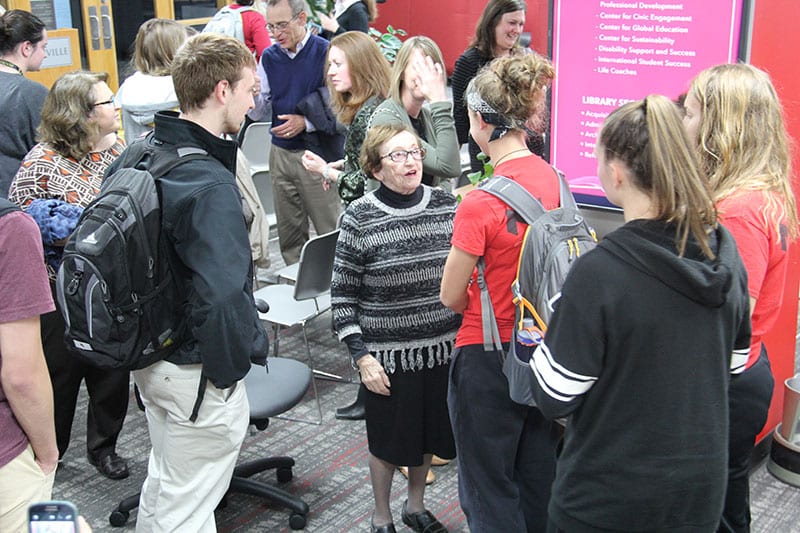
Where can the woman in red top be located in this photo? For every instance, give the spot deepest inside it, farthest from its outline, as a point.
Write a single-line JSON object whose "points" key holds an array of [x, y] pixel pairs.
{"points": [[506, 451], [254, 25], [733, 114]]}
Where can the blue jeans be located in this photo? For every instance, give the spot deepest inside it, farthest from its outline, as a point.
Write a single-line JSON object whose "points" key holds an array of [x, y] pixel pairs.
{"points": [[506, 451]]}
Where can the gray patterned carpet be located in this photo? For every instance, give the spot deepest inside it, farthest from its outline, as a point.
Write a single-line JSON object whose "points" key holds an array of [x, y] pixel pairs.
{"points": [[331, 472]]}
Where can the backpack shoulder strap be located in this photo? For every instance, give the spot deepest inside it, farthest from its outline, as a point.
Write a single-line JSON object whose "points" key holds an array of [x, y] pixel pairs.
{"points": [[159, 162], [491, 333], [161, 167], [565, 194], [515, 196], [529, 208], [7, 206]]}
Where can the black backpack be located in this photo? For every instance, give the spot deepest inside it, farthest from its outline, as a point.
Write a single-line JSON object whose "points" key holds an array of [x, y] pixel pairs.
{"points": [[115, 287], [553, 241]]}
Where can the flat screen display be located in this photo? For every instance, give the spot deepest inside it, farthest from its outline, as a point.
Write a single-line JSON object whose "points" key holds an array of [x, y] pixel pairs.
{"points": [[609, 52]]}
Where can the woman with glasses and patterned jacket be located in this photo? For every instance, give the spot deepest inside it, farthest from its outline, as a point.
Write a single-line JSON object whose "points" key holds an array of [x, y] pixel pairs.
{"points": [[384, 293], [58, 178]]}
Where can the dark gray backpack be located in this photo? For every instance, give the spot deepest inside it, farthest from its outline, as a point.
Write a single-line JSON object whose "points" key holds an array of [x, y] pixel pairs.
{"points": [[552, 242], [115, 287]]}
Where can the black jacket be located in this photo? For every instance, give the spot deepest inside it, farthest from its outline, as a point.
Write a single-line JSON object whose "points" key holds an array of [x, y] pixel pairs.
{"points": [[354, 18], [327, 139], [638, 355], [204, 226]]}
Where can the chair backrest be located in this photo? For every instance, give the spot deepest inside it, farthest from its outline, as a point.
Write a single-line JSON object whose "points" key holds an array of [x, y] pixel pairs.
{"points": [[256, 145], [263, 183], [316, 266]]}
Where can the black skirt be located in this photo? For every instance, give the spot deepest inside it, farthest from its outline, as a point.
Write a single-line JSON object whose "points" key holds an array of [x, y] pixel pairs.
{"points": [[413, 420]]}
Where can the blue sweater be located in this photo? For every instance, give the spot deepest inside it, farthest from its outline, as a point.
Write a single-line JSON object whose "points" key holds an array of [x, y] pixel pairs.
{"points": [[291, 80]]}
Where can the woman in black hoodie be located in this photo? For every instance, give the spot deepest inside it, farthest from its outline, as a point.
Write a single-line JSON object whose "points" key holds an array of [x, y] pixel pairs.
{"points": [[638, 352]]}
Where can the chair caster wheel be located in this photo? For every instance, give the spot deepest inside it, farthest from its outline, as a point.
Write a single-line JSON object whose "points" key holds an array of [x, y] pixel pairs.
{"points": [[297, 521], [118, 518], [284, 474]]}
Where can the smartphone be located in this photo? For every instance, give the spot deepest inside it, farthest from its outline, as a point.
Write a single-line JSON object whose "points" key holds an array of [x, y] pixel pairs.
{"points": [[52, 517]]}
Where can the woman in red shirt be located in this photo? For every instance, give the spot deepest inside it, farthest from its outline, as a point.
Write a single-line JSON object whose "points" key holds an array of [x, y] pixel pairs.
{"points": [[733, 114], [254, 25], [506, 451]]}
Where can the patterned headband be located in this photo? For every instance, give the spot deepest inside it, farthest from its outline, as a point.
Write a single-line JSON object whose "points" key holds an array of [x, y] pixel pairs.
{"points": [[488, 113]]}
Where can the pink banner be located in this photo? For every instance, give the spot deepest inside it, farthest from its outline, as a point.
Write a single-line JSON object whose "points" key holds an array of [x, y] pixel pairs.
{"points": [[607, 53]]}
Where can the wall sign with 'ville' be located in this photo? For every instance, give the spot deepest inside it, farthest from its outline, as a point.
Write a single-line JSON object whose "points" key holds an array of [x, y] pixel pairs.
{"points": [[59, 52], [609, 52]]}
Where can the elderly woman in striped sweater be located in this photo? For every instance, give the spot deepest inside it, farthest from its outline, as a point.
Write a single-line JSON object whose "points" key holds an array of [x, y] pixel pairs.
{"points": [[385, 294]]}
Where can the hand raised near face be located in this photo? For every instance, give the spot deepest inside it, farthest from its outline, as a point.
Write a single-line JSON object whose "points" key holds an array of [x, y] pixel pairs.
{"points": [[430, 78]]}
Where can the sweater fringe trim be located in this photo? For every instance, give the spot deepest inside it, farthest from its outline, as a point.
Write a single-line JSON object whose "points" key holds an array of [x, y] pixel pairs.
{"points": [[412, 358]]}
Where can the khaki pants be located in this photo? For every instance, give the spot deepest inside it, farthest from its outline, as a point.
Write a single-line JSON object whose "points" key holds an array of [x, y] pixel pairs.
{"points": [[298, 196], [22, 483], [191, 463]]}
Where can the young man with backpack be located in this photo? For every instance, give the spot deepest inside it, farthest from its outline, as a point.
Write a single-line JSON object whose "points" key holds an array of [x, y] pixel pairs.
{"points": [[242, 21], [195, 401]]}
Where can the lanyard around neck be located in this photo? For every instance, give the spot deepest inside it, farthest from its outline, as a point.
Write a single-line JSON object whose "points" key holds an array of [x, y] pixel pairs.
{"points": [[9, 64]]}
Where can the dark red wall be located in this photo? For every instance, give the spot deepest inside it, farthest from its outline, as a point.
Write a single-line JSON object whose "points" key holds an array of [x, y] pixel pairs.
{"points": [[775, 44], [452, 23]]}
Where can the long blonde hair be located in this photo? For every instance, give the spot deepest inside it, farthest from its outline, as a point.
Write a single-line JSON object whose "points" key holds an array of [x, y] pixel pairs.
{"points": [[156, 43], [742, 139]]}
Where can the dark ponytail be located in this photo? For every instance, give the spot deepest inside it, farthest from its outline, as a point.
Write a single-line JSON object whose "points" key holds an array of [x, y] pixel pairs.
{"points": [[18, 26]]}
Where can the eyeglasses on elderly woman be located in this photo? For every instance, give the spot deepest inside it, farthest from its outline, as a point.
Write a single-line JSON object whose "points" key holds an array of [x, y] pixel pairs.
{"points": [[401, 156]]}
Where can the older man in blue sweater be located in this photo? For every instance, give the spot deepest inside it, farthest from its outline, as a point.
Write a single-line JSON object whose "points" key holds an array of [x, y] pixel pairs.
{"points": [[292, 73]]}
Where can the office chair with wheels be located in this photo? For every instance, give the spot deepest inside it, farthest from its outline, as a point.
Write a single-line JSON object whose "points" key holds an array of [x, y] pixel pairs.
{"points": [[271, 390]]}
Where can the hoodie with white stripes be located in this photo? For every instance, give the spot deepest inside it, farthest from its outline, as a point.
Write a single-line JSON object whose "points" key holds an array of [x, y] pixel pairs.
{"points": [[638, 356]]}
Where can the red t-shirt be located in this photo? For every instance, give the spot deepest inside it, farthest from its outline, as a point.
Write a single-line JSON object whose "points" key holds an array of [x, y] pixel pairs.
{"points": [[26, 293], [482, 227], [764, 250], [256, 36]]}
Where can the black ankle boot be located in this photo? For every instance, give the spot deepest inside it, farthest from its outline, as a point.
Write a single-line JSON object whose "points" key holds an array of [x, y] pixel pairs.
{"points": [[356, 410]]}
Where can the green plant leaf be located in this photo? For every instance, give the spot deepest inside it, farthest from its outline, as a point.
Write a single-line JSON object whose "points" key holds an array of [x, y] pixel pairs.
{"points": [[394, 42]]}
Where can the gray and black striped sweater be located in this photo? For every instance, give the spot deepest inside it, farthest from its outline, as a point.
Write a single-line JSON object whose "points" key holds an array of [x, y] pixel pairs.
{"points": [[387, 273]]}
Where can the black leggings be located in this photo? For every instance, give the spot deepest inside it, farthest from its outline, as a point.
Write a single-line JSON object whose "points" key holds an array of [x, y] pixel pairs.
{"points": [[108, 391], [748, 399]]}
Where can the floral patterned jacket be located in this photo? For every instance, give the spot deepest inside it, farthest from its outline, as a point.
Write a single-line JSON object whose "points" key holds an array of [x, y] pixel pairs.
{"points": [[352, 180]]}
